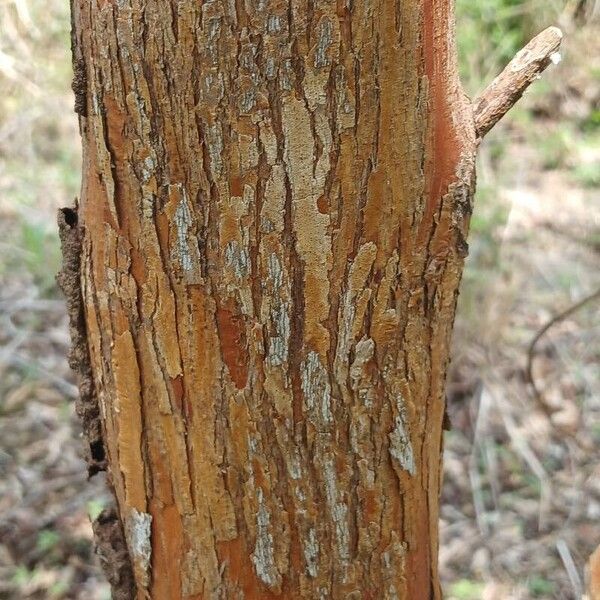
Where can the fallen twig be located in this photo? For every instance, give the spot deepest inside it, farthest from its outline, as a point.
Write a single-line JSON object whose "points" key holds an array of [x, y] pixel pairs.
{"points": [[532, 346]]}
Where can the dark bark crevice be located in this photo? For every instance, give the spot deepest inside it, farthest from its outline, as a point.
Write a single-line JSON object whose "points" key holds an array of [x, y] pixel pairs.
{"points": [[108, 532], [79, 360], [114, 556]]}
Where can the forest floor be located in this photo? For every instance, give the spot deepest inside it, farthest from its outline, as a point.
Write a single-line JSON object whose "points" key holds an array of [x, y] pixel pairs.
{"points": [[521, 497]]}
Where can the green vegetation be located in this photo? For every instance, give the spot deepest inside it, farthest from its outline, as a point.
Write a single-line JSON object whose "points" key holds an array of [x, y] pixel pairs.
{"points": [[592, 123], [588, 174], [491, 32], [94, 508], [555, 146], [47, 540], [541, 588], [41, 254], [466, 589]]}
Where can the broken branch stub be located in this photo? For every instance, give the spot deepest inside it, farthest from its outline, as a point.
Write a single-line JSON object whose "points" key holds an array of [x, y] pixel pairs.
{"points": [[502, 94]]}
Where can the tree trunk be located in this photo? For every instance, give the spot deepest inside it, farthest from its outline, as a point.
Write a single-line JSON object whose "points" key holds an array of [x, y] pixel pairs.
{"points": [[271, 232]]}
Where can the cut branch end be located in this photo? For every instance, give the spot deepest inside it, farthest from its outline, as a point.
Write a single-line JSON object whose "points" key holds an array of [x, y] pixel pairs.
{"points": [[528, 64]]}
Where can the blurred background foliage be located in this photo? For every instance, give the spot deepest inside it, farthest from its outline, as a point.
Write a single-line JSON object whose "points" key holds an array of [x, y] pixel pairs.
{"points": [[521, 499], [492, 32]]}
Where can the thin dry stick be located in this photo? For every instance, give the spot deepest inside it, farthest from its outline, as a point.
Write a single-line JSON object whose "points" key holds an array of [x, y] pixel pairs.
{"points": [[556, 319], [567, 559], [499, 97]]}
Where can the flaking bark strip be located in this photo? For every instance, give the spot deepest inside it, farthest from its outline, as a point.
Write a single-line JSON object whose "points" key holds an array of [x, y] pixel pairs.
{"points": [[79, 359], [79, 82], [79, 85], [108, 531], [114, 556]]}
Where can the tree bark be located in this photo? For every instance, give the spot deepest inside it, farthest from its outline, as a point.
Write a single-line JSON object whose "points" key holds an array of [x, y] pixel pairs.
{"points": [[272, 227]]}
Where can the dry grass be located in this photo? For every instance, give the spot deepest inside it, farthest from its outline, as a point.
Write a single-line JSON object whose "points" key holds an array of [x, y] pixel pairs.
{"points": [[523, 473]]}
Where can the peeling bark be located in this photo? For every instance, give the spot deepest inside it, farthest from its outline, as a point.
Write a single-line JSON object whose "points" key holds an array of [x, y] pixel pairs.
{"points": [[274, 211], [69, 281], [113, 554], [109, 539]]}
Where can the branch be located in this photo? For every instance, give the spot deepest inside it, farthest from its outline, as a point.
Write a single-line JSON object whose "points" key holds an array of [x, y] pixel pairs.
{"points": [[501, 95]]}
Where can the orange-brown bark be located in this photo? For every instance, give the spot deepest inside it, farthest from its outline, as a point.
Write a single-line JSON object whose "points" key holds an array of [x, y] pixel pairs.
{"points": [[275, 203]]}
